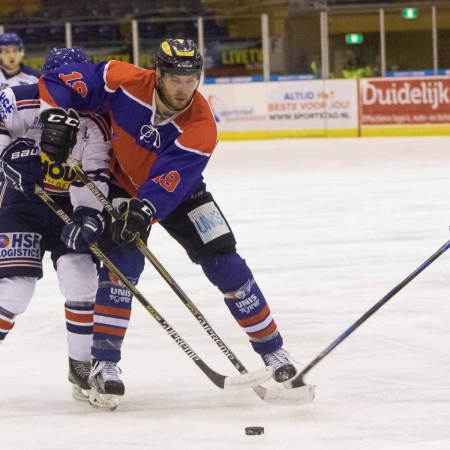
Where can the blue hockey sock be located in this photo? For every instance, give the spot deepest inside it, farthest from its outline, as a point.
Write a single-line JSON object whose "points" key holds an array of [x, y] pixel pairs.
{"points": [[244, 299], [112, 309]]}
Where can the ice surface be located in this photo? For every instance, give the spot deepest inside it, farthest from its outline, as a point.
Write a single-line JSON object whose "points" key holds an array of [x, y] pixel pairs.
{"points": [[328, 228]]}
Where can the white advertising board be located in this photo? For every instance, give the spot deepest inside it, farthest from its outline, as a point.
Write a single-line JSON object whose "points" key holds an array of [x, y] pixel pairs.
{"points": [[271, 108]]}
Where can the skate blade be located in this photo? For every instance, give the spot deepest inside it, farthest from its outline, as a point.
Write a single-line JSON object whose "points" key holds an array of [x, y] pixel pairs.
{"points": [[82, 395], [105, 402]]}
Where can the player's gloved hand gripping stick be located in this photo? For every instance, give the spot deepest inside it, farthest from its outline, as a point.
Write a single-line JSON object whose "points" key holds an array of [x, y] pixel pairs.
{"points": [[86, 227], [133, 223]]}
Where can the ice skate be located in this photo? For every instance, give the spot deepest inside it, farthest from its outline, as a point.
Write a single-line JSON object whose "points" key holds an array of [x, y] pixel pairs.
{"points": [[79, 377], [283, 369], [106, 385]]}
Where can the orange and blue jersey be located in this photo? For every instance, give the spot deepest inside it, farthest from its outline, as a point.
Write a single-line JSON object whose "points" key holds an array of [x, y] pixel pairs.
{"points": [[161, 163]]}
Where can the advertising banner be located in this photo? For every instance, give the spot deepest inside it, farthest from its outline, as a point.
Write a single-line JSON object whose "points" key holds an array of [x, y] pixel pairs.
{"points": [[295, 107], [310, 105], [405, 101], [237, 107]]}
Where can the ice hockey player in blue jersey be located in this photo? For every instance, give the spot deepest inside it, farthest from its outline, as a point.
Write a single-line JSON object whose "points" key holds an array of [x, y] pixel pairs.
{"points": [[163, 135], [13, 72], [28, 227]]}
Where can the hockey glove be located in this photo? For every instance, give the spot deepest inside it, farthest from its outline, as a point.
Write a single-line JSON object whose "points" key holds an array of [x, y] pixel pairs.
{"points": [[59, 134], [86, 228], [22, 166], [133, 223]]}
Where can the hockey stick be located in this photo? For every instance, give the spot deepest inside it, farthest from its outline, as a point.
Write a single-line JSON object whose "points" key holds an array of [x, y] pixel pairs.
{"points": [[224, 382], [298, 380], [299, 396]]}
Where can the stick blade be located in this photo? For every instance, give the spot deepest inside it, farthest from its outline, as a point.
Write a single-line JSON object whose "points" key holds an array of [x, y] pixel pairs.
{"points": [[298, 396], [249, 379]]}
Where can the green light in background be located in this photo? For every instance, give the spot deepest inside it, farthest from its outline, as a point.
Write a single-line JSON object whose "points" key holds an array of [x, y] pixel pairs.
{"points": [[409, 13], [354, 38]]}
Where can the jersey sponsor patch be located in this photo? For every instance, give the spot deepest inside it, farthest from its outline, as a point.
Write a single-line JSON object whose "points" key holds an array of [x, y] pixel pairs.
{"points": [[20, 245], [58, 176], [118, 295], [248, 304], [209, 222]]}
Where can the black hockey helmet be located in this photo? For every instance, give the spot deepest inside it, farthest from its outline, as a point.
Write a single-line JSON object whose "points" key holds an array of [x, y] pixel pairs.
{"points": [[179, 56]]}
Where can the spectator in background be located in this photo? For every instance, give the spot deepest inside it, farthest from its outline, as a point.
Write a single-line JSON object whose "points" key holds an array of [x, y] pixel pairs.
{"points": [[12, 71], [354, 68], [316, 67]]}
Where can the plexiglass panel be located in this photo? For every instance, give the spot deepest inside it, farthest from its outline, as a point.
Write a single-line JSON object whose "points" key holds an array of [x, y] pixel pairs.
{"points": [[409, 40], [233, 47], [354, 45], [300, 47], [443, 27], [104, 40]]}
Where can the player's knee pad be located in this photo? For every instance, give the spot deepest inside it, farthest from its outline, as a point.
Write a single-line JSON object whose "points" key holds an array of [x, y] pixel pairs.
{"points": [[16, 293], [228, 272], [77, 277]]}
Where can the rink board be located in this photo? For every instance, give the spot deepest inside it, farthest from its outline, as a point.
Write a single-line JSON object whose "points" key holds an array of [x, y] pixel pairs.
{"points": [[331, 108]]}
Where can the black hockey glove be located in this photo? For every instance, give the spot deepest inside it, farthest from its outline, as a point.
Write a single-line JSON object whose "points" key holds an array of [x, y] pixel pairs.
{"points": [[134, 222], [22, 166], [59, 134], [86, 228]]}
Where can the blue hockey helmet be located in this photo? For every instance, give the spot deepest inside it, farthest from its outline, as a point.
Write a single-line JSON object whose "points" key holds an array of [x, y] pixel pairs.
{"points": [[179, 56], [10, 40], [64, 56]]}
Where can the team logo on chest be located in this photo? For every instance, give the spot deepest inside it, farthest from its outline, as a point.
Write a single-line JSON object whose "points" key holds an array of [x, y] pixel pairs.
{"points": [[149, 132]]}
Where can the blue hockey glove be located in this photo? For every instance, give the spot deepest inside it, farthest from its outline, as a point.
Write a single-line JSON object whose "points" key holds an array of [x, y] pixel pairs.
{"points": [[22, 166], [86, 228], [134, 222]]}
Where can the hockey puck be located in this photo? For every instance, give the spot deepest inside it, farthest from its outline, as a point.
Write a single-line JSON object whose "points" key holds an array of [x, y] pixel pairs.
{"points": [[252, 431]]}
